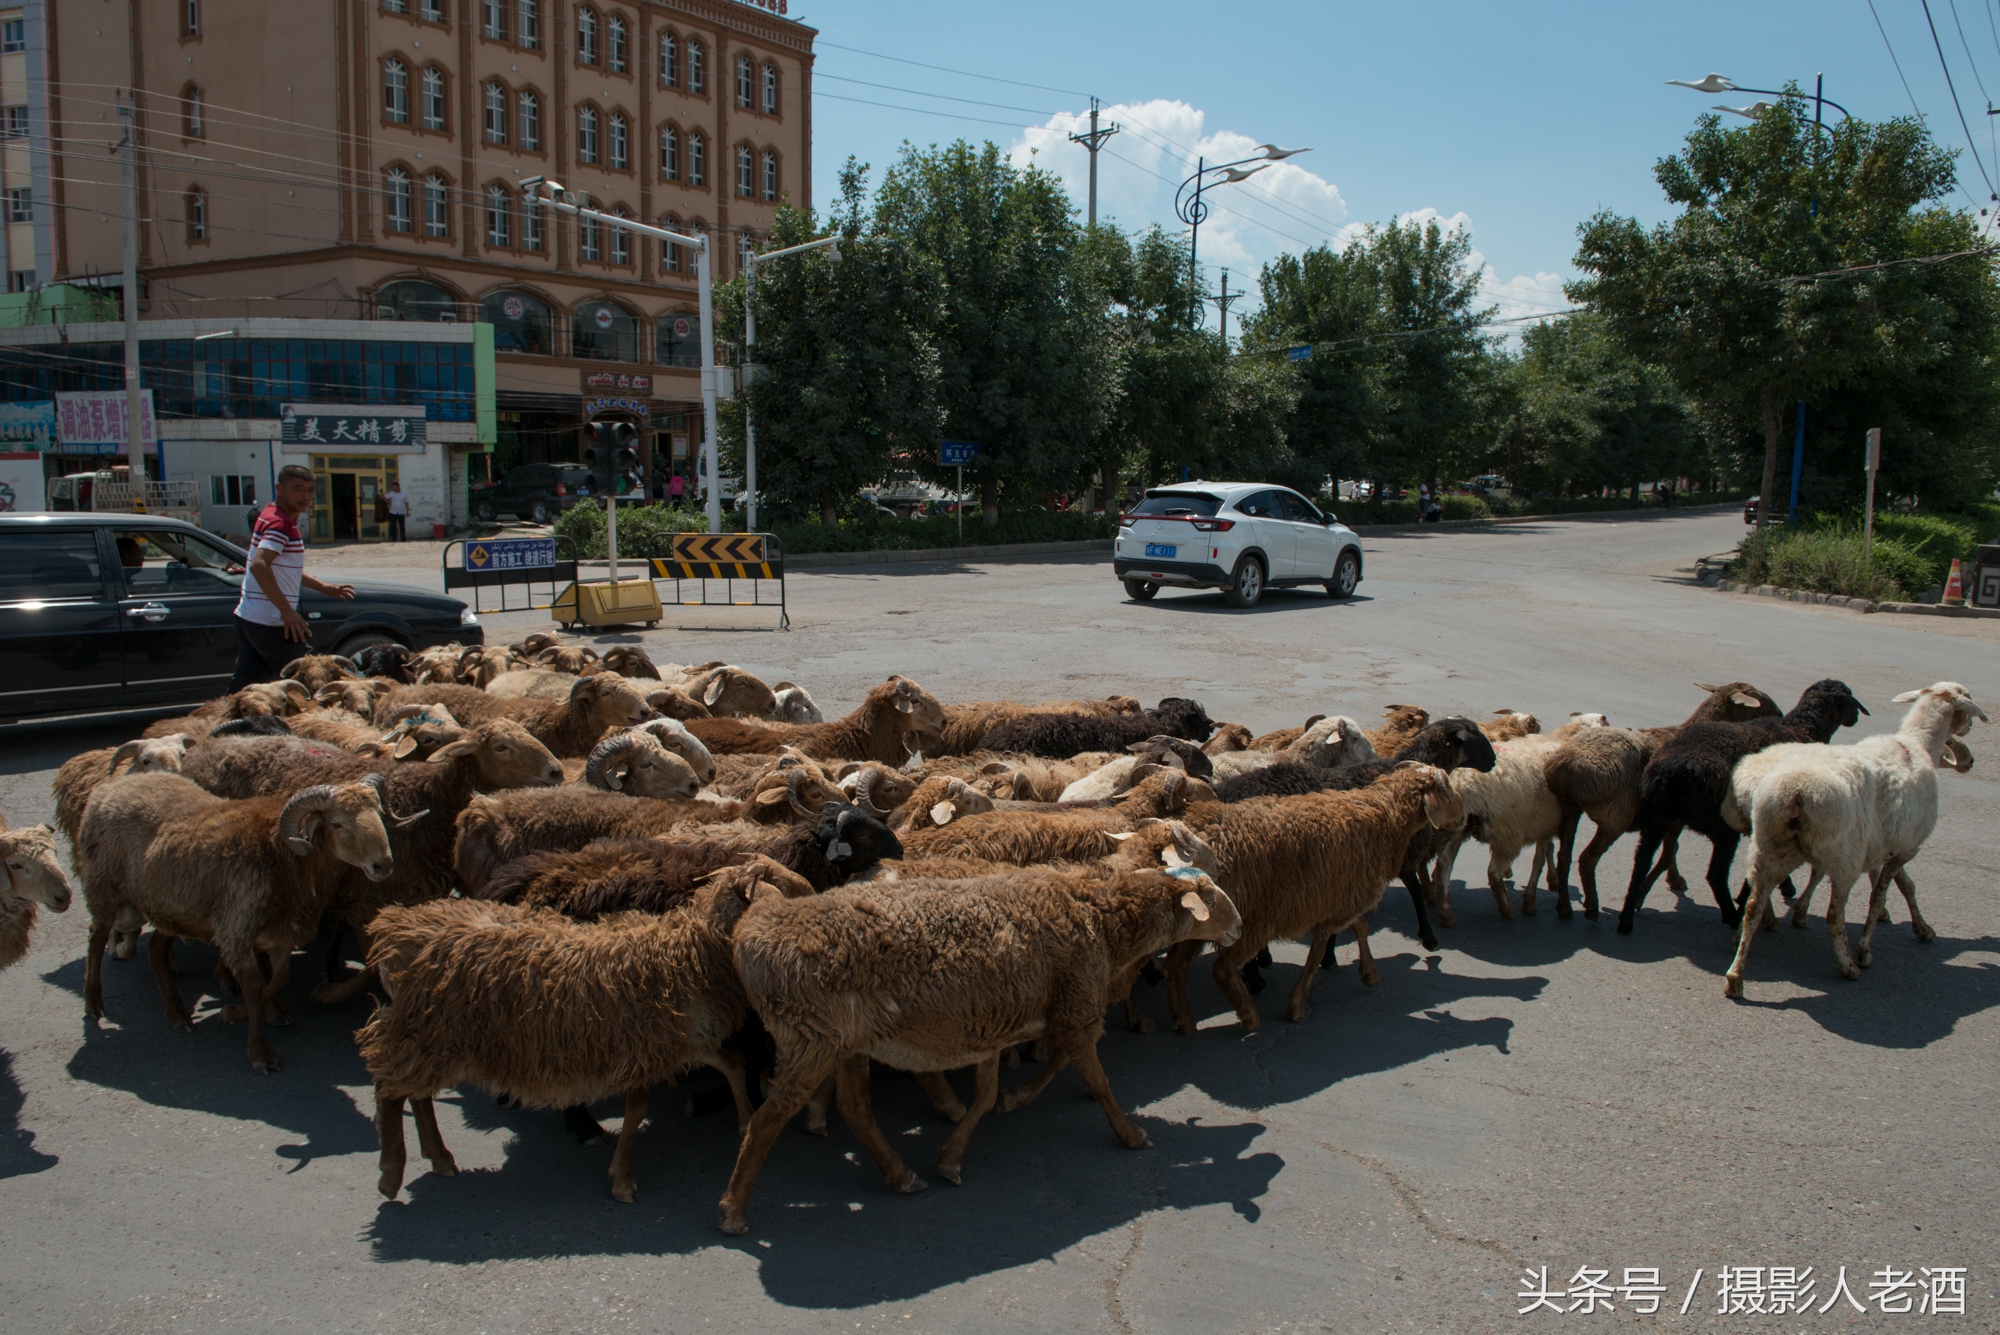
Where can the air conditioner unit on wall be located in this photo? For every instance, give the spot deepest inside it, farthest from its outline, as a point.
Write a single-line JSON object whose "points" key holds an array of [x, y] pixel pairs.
{"points": [[447, 317]]}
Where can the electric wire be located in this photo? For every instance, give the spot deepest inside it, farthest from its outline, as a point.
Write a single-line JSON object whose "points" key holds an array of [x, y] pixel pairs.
{"points": [[942, 69], [1970, 143]]}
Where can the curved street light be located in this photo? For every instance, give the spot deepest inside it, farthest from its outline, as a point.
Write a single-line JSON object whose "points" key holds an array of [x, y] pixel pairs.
{"points": [[1192, 209], [1722, 83]]}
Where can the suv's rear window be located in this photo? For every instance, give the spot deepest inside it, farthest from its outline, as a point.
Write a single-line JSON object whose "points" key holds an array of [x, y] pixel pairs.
{"points": [[1179, 504]]}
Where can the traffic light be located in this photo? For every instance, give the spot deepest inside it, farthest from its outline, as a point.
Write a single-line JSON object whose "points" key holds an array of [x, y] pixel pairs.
{"points": [[624, 458]]}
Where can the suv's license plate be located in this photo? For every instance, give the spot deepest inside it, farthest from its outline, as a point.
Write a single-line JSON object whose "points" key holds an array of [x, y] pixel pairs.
{"points": [[1166, 549]]}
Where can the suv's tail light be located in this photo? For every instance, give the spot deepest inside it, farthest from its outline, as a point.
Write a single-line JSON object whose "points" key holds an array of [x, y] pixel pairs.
{"points": [[561, 490], [1213, 525], [1125, 521]]}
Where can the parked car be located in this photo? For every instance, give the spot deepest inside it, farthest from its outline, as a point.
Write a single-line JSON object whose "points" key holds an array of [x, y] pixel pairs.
{"points": [[1240, 537], [1750, 511], [1492, 487], [107, 611], [534, 492]]}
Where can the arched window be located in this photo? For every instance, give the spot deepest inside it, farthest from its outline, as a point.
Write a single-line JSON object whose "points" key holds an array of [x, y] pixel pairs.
{"points": [[677, 339], [746, 171], [191, 120], [531, 223], [621, 149], [414, 299], [586, 134], [590, 238], [395, 91], [621, 240], [670, 153], [586, 35], [617, 59], [437, 205], [433, 98], [521, 322], [197, 214], [697, 159], [494, 14], [499, 216], [602, 332], [746, 246], [432, 10], [396, 210], [770, 175], [670, 252], [528, 110], [770, 89], [697, 68], [670, 60], [496, 114], [742, 81], [528, 23]]}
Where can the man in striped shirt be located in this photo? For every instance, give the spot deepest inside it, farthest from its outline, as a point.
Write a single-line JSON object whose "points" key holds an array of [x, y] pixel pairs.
{"points": [[270, 632]]}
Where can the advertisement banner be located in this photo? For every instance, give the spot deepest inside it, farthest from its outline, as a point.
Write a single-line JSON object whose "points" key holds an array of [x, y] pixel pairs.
{"points": [[28, 426], [94, 423], [21, 490], [351, 428]]}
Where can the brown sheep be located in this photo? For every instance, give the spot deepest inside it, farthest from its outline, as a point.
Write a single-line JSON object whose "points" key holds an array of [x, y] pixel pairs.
{"points": [[357, 695], [966, 724], [1282, 738], [532, 646], [1314, 863], [1022, 778], [314, 671], [1402, 722], [570, 660], [628, 661], [676, 703], [938, 801], [78, 779], [1506, 725], [568, 727], [251, 876], [1228, 737], [437, 665], [1068, 834], [480, 664], [898, 719], [349, 732], [33, 877], [516, 1000], [726, 691], [279, 699], [876, 789], [852, 974]]}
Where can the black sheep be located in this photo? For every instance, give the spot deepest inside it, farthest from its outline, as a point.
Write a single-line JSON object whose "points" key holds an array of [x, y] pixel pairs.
{"points": [[1060, 736], [1687, 779], [257, 725], [385, 660]]}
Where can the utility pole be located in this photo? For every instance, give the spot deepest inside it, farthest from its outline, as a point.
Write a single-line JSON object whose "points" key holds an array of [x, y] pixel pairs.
{"points": [[1224, 302], [1094, 141], [135, 441]]}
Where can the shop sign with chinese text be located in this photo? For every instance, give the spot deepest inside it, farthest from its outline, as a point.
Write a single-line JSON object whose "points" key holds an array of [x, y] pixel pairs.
{"points": [[336, 428]]}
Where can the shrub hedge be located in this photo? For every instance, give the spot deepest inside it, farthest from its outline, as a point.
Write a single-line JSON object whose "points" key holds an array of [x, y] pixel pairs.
{"points": [[640, 525]]}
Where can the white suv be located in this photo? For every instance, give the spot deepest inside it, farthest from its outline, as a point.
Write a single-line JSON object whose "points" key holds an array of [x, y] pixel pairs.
{"points": [[1240, 537]]}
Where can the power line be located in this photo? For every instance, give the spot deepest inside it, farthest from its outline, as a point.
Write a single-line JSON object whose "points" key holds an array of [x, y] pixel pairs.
{"points": [[923, 111], [1893, 61], [918, 92], [1971, 146], [1968, 53], [942, 69]]}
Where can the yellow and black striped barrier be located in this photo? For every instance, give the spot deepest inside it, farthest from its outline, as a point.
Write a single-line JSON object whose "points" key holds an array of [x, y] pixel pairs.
{"points": [[724, 556]]}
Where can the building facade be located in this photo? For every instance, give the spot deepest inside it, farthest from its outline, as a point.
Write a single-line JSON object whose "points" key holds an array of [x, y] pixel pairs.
{"points": [[361, 160]]}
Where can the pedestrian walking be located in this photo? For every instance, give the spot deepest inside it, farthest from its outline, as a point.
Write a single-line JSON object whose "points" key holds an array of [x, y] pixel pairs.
{"points": [[399, 512], [676, 489], [270, 632]]}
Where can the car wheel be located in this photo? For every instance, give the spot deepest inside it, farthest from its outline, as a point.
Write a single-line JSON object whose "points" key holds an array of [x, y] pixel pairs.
{"points": [[1140, 589], [1246, 584], [354, 644], [483, 512], [540, 514], [1346, 574]]}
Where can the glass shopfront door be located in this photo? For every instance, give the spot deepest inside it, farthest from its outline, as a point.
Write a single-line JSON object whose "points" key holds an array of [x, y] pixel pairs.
{"points": [[348, 492]]}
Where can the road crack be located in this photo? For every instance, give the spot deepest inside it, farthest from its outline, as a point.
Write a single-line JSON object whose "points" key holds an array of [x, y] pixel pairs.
{"points": [[1114, 1282]]}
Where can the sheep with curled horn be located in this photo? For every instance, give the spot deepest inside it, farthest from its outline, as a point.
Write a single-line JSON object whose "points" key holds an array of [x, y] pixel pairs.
{"points": [[481, 663], [278, 698], [634, 761], [386, 660], [316, 670], [570, 660], [676, 703], [876, 789], [627, 660], [357, 695], [673, 735], [529, 646], [794, 705]]}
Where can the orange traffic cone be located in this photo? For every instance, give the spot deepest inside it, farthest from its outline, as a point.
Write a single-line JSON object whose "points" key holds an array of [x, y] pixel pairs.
{"points": [[1954, 587]]}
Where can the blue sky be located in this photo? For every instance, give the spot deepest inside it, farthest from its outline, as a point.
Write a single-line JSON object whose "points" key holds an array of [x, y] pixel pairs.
{"points": [[1516, 120]]}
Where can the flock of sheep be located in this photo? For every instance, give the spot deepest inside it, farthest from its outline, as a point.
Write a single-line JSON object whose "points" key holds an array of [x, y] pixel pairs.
{"points": [[573, 876]]}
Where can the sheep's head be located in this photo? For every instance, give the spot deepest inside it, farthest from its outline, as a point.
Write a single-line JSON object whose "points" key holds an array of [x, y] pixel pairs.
{"points": [[1228, 737], [1964, 709], [958, 799], [1175, 753], [634, 762], [385, 660], [1443, 807], [673, 735], [274, 698], [1507, 724], [1733, 702], [32, 869], [629, 661], [348, 816], [676, 703], [1332, 741], [1157, 844], [503, 755], [921, 716], [853, 839], [1125, 704], [532, 646], [1206, 913], [357, 695], [1183, 718], [566, 659], [791, 791], [875, 788], [314, 671], [791, 704], [152, 755], [479, 665], [1460, 736], [610, 700], [1827, 706], [1958, 755], [727, 691]]}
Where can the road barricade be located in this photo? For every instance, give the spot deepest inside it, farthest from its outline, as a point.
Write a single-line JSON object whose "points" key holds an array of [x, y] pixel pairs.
{"points": [[508, 563], [739, 562]]}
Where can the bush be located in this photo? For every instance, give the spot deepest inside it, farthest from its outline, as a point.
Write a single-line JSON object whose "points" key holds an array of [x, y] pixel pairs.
{"points": [[638, 527], [1473, 507], [882, 533], [1829, 560], [1405, 510]]}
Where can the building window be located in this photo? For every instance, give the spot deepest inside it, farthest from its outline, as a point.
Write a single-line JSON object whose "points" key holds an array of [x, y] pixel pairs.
{"points": [[770, 176], [621, 153], [13, 36], [770, 89], [670, 253], [746, 171], [670, 61], [670, 153], [697, 159], [495, 16], [586, 134], [396, 200], [697, 69], [197, 213], [590, 238], [16, 126], [432, 10], [521, 322], [529, 108], [232, 488], [586, 35], [20, 280], [413, 300], [745, 248], [496, 114], [528, 23], [499, 216], [616, 58], [677, 340], [531, 224], [600, 331], [433, 98], [21, 204], [394, 7], [742, 81], [437, 206], [396, 92], [190, 112], [191, 18], [621, 242]]}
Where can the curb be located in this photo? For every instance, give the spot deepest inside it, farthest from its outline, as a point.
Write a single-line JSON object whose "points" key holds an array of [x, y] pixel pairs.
{"points": [[1582, 516], [1857, 604]]}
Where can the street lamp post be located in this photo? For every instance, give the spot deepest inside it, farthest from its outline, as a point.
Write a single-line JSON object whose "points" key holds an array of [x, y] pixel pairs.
{"points": [[552, 193], [1193, 210], [750, 368]]}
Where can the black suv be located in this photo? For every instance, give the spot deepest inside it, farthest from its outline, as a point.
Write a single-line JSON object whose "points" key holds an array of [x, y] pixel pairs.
{"points": [[534, 492], [113, 611]]}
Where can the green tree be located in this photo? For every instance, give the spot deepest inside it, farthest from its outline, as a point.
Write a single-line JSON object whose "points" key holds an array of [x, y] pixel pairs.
{"points": [[1328, 298], [1025, 359], [1720, 296]]}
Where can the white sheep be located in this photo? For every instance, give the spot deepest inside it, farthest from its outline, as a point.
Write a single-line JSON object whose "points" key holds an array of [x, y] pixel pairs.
{"points": [[1860, 809]]}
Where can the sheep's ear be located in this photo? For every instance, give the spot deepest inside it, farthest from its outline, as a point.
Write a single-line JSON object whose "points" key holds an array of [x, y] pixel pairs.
{"points": [[943, 812], [1905, 697], [1118, 836], [1316, 718], [464, 746], [760, 891], [405, 747], [996, 767], [1462, 735], [770, 797], [1744, 698], [716, 685], [1191, 901]]}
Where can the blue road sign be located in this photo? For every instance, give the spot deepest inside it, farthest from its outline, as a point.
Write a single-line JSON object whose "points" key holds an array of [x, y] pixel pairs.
{"points": [[1301, 353], [510, 554], [957, 451]]}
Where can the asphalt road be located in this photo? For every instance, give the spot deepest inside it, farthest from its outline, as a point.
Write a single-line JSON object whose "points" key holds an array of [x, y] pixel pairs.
{"points": [[1539, 1094]]}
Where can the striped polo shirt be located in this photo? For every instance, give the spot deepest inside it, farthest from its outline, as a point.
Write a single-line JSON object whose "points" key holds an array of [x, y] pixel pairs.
{"points": [[275, 532]]}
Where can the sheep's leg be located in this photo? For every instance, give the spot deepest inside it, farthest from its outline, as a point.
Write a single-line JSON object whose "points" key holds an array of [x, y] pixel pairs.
{"points": [[1600, 843], [1369, 976], [93, 969], [1439, 888], [1137, 1019], [280, 974], [624, 1185], [1559, 868], [1497, 871], [249, 973], [797, 1079], [1718, 877], [1230, 983], [1082, 1049], [1178, 961], [942, 1096], [1878, 908], [1021, 1095], [1923, 930], [1418, 884], [1669, 853], [579, 1123], [732, 1069], [159, 953], [1804, 901], [1644, 872], [1837, 888], [986, 1088], [430, 1143], [389, 1132], [816, 1107], [1757, 895], [859, 1114], [1299, 1004], [333, 991], [1538, 866]]}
